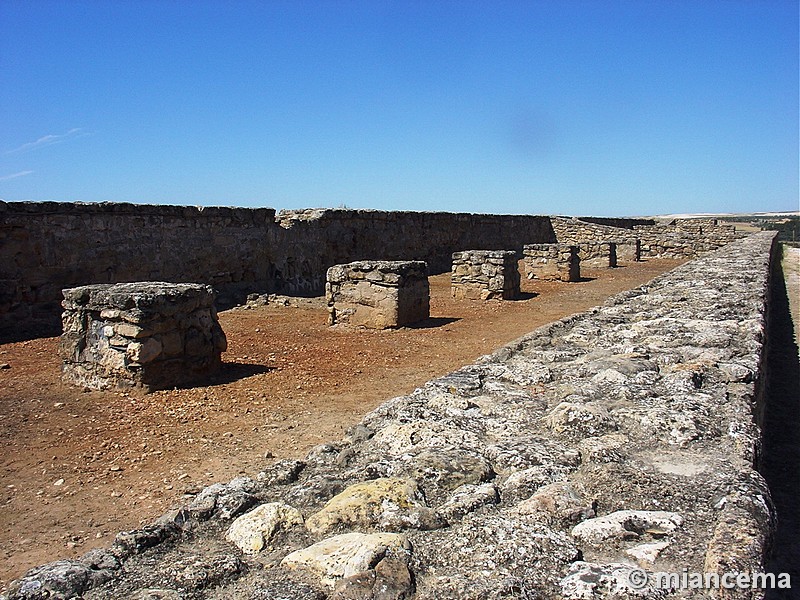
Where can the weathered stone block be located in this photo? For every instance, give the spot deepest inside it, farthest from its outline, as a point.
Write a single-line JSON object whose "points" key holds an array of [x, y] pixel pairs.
{"points": [[151, 335], [485, 274], [378, 294], [552, 261]]}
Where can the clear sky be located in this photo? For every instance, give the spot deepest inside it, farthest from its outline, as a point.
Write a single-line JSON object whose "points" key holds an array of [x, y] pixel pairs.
{"points": [[581, 107]]}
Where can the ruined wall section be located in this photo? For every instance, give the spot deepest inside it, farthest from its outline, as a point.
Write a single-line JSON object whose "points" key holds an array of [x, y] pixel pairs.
{"points": [[314, 240], [378, 294], [608, 445], [679, 238], [485, 275], [48, 246], [684, 238], [579, 231], [620, 222]]}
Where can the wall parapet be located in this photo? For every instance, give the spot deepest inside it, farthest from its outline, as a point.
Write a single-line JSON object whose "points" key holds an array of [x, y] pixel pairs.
{"points": [[617, 439]]}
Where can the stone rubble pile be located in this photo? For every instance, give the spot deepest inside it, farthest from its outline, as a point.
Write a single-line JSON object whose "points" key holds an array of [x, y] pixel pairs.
{"points": [[485, 275], [560, 262], [378, 294], [613, 440], [152, 335]]}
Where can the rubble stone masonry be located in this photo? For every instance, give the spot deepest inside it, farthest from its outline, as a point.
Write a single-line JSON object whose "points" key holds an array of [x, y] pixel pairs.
{"points": [[378, 294], [598, 254], [559, 262], [577, 231], [684, 238], [485, 275], [151, 335], [48, 246]]}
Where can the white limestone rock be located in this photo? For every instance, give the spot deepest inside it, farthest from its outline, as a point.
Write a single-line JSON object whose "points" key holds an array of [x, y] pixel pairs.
{"points": [[347, 554], [611, 581], [623, 522], [253, 530]]}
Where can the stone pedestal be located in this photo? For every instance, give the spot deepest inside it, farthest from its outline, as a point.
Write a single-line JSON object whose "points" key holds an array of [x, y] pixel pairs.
{"points": [[378, 294], [485, 274], [558, 262], [150, 335]]}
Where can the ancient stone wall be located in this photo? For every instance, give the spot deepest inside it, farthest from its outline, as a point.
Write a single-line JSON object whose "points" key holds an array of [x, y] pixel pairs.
{"points": [[48, 246], [348, 235], [608, 446], [617, 222], [679, 238], [485, 275], [683, 238], [578, 231], [378, 294], [151, 335]]}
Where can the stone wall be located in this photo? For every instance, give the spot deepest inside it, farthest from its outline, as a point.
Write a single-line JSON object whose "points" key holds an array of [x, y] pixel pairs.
{"points": [[679, 238], [560, 262], [485, 275], [609, 444], [151, 335], [684, 238], [378, 294], [617, 222], [48, 246], [579, 231], [348, 235]]}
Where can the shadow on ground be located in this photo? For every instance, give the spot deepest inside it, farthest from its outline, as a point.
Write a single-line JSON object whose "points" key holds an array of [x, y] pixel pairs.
{"points": [[432, 323], [522, 296], [234, 371]]}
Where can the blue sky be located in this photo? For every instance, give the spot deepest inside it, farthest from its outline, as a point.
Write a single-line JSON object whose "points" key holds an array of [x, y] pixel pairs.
{"points": [[568, 107]]}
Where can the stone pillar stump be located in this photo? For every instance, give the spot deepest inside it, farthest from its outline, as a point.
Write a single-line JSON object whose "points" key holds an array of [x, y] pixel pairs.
{"points": [[149, 335], [378, 294], [484, 275]]}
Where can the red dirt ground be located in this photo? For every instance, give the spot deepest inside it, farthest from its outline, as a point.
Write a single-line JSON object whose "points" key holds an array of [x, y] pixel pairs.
{"points": [[78, 466]]}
